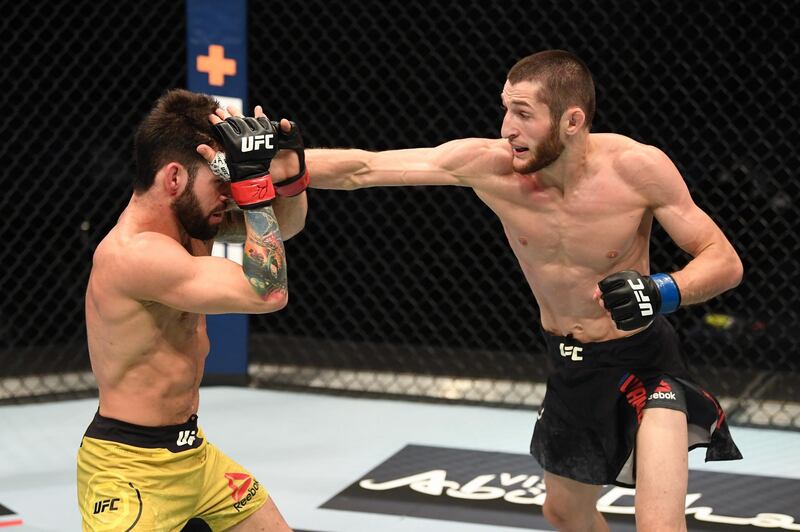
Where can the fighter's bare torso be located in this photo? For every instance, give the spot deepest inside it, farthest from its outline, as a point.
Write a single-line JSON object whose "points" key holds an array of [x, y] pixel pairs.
{"points": [[147, 358], [567, 239]]}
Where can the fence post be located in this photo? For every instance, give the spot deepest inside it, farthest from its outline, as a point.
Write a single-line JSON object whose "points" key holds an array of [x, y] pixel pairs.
{"points": [[216, 54]]}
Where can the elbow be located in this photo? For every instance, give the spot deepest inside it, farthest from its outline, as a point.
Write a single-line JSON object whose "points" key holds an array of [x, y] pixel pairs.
{"points": [[279, 300], [273, 302], [737, 271]]}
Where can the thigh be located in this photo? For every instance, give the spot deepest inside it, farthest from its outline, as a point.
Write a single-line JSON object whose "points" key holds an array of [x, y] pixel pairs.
{"points": [[267, 518], [662, 468], [570, 495], [124, 488], [231, 494]]}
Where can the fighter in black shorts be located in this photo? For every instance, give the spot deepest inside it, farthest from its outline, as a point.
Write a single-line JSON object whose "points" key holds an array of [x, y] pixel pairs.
{"points": [[595, 400]]}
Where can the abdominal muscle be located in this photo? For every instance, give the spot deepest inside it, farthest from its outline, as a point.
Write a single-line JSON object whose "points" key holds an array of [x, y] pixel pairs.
{"points": [[161, 390], [148, 361], [566, 304]]}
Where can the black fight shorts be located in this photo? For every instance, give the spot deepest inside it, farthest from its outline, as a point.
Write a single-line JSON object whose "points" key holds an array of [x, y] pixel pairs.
{"points": [[595, 398]]}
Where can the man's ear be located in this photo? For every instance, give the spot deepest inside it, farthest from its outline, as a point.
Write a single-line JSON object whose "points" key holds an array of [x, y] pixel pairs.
{"points": [[172, 178], [573, 120]]}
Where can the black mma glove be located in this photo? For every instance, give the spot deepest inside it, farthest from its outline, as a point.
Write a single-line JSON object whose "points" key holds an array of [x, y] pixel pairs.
{"points": [[249, 148], [292, 140], [634, 299]]}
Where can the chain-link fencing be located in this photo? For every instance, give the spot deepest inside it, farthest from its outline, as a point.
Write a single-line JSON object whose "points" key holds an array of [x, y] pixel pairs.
{"points": [[410, 291]]}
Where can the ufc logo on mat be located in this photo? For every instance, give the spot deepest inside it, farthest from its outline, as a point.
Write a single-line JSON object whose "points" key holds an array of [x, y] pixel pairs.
{"points": [[571, 351], [185, 437], [644, 301], [255, 142]]}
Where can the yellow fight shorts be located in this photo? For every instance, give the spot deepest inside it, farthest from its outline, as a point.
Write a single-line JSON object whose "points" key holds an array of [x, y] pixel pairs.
{"points": [[157, 478]]}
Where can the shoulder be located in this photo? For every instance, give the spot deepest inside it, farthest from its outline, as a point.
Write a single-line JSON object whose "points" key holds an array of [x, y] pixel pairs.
{"points": [[128, 257], [475, 157], [633, 159], [647, 170]]}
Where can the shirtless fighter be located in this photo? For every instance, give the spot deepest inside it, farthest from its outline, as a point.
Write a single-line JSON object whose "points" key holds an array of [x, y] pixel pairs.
{"points": [[144, 463], [577, 209]]}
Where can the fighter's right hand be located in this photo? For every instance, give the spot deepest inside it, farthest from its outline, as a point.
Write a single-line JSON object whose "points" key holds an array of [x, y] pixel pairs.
{"points": [[249, 148]]}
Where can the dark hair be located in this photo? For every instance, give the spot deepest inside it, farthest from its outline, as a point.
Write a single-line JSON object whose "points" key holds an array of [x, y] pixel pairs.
{"points": [[171, 131], [564, 79]]}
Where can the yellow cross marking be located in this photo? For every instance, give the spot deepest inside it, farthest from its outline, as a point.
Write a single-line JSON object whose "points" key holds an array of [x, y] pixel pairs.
{"points": [[216, 65]]}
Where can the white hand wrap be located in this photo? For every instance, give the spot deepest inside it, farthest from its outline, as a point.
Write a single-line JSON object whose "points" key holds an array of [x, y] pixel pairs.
{"points": [[220, 167]]}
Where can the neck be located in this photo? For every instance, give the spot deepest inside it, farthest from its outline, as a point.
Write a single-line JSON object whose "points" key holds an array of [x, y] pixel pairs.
{"points": [[147, 213], [570, 166]]}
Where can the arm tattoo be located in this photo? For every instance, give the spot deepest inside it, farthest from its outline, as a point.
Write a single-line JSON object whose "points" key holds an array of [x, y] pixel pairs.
{"points": [[264, 262], [232, 230]]}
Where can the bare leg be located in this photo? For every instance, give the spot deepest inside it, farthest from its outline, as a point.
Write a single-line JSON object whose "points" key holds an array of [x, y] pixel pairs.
{"points": [[572, 506], [662, 471], [265, 519]]}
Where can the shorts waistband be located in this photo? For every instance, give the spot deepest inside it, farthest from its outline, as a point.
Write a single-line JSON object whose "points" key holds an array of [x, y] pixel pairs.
{"points": [[564, 349], [176, 438]]}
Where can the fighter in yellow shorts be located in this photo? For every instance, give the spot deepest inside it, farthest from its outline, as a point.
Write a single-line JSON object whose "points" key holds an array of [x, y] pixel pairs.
{"points": [[132, 477], [144, 463]]}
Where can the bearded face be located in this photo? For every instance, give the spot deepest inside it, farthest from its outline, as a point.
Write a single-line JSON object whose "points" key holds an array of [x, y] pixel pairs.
{"points": [[544, 155], [190, 215]]}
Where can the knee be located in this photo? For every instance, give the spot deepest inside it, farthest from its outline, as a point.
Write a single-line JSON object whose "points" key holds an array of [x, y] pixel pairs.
{"points": [[646, 522], [565, 516]]}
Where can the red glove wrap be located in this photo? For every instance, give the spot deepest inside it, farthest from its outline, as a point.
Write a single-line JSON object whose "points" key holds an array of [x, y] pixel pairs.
{"points": [[253, 193], [295, 186]]}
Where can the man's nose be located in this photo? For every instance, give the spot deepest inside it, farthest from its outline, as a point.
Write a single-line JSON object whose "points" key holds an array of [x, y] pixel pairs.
{"points": [[225, 191], [507, 130]]}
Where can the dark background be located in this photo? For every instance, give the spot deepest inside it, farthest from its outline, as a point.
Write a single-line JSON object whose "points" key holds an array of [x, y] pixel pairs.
{"points": [[415, 280]]}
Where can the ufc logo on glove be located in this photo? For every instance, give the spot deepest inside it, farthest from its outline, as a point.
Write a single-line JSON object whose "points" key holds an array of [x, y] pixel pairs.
{"points": [[255, 142], [644, 302]]}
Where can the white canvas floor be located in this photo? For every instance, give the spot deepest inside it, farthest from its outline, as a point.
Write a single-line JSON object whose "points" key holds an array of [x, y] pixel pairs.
{"points": [[305, 449]]}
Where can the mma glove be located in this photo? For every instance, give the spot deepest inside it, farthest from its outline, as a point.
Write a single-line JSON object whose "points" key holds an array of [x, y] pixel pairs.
{"points": [[249, 149], [634, 299], [292, 140]]}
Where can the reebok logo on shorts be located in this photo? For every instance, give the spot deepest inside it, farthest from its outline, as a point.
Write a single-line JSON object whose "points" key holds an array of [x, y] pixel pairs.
{"points": [[243, 492], [240, 489], [663, 391]]}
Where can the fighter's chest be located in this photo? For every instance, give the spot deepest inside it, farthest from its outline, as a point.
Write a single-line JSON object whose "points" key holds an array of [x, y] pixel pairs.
{"points": [[586, 226]]}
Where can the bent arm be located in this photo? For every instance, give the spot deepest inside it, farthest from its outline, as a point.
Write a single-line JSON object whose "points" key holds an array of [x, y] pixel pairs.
{"points": [[159, 269], [715, 266], [290, 212], [459, 162]]}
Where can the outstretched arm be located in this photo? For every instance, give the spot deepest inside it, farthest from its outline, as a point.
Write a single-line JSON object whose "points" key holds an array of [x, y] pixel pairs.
{"points": [[462, 162]]}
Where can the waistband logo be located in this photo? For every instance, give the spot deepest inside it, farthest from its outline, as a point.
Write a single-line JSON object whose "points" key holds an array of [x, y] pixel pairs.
{"points": [[571, 351], [185, 437]]}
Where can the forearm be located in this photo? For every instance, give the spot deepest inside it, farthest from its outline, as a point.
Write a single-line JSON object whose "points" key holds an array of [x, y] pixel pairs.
{"points": [[336, 169], [714, 270], [290, 213], [264, 261], [461, 163]]}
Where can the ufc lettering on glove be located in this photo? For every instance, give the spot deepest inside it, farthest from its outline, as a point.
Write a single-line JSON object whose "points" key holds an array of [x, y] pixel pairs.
{"points": [[256, 142], [634, 299], [249, 151]]}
